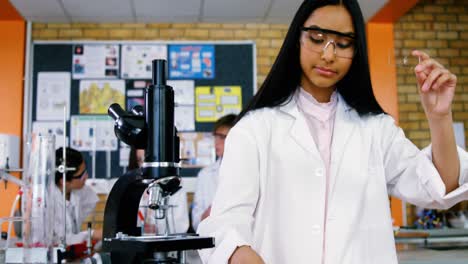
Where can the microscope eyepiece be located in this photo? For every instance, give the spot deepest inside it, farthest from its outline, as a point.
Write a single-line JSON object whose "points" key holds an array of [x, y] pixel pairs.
{"points": [[129, 127], [159, 72], [138, 110], [115, 111]]}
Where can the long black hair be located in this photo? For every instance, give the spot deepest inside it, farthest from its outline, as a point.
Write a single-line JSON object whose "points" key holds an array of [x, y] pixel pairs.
{"points": [[285, 74]]}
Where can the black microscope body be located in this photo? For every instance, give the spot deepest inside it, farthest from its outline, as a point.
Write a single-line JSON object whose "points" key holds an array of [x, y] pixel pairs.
{"points": [[151, 129]]}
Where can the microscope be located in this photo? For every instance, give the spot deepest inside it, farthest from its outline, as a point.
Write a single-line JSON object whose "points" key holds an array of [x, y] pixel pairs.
{"points": [[151, 129]]}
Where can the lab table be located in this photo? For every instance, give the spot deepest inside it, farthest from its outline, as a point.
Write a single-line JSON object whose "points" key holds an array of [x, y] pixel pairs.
{"points": [[439, 246]]}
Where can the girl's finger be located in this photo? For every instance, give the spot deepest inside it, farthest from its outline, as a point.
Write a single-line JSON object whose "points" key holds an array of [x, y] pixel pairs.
{"points": [[428, 65], [422, 55], [434, 75], [421, 76], [445, 77]]}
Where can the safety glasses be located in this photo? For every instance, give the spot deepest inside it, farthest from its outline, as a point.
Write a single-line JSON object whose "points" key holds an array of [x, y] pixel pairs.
{"points": [[318, 40], [79, 176]]}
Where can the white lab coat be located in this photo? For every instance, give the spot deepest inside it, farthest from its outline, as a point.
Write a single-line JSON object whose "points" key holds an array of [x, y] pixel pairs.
{"points": [[82, 202], [271, 194], [207, 182], [177, 215]]}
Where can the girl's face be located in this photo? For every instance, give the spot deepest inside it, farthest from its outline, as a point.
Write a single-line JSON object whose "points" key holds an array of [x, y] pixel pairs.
{"points": [[326, 50]]}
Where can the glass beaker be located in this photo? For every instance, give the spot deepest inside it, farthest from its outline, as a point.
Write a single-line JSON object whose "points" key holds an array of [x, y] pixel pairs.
{"points": [[37, 207]]}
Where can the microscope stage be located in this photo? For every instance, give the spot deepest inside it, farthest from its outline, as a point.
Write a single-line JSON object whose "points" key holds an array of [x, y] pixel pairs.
{"points": [[159, 243]]}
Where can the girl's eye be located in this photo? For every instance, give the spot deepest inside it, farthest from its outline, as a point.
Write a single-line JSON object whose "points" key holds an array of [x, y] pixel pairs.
{"points": [[344, 45], [315, 40], [316, 37]]}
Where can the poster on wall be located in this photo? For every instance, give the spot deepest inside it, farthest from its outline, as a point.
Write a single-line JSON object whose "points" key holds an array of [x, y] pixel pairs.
{"points": [[136, 93], [184, 117], [137, 60], [184, 91], [95, 61], [184, 100], [51, 128], [211, 103], [191, 62], [197, 149], [92, 133], [97, 95], [53, 96], [134, 101]]}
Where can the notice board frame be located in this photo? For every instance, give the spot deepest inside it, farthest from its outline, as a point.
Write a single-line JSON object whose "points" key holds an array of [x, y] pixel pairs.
{"points": [[235, 60]]}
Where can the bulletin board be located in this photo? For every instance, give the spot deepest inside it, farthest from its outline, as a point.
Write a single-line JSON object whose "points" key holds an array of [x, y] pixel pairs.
{"points": [[79, 80]]}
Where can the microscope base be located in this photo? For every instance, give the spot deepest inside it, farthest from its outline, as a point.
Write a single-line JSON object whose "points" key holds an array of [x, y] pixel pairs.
{"points": [[138, 249]]}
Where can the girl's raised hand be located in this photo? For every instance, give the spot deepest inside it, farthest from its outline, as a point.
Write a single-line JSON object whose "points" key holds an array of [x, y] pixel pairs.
{"points": [[436, 86]]}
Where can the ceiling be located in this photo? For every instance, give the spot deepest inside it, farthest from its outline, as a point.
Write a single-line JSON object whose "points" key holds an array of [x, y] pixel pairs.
{"points": [[168, 11]]}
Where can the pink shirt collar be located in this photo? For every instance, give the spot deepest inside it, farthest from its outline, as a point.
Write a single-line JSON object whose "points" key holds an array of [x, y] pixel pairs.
{"points": [[320, 111]]}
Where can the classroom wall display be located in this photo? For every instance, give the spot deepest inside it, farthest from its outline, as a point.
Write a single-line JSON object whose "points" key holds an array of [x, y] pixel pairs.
{"points": [[93, 61], [96, 96], [215, 102], [53, 95], [197, 148], [90, 75], [192, 62], [51, 128], [137, 60], [92, 133]]}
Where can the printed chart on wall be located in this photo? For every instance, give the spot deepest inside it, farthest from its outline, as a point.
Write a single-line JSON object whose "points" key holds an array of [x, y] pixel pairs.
{"points": [[95, 61], [53, 95], [96, 96], [51, 128], [215, 102], [137, 60], [184, 100], [197, 149], [191, 62], [92, 133]]}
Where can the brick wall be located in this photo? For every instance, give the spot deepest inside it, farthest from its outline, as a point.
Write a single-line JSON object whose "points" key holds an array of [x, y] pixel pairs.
{"points": [[268, 37], [439, 27]]}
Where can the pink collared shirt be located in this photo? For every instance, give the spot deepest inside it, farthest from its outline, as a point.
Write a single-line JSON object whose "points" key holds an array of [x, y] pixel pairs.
{"points": [[320, 119]]}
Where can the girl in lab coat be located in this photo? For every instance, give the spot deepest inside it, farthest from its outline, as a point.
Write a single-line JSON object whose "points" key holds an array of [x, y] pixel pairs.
{"points": [[80, 199], [308, 168]]}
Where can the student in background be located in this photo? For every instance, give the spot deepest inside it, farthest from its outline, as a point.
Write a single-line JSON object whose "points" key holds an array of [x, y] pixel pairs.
{"points": [[80, 198], [307, 170], [178, 215], [207, 179]]}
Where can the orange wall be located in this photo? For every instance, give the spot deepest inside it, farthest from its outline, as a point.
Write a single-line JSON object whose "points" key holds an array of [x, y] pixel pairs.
{"points": [[383, 75], [12, 52], [380, 40], [382, 67]]}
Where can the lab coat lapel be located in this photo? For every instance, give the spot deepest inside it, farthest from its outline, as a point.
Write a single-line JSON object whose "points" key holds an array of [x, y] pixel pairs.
{"points": [[345, 123], [299, 130]]}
